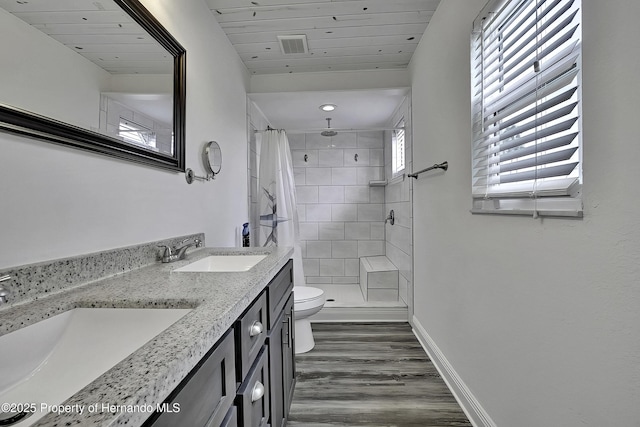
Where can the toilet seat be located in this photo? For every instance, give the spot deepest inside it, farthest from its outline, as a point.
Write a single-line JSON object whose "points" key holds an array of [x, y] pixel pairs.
{"points": [[306, 294]]}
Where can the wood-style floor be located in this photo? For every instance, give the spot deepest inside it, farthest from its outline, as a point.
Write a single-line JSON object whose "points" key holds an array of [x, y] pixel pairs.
{"points": [[370, 374]]}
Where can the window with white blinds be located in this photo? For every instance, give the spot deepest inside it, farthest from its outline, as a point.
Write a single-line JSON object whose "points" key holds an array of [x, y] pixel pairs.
{"points": [[398, 149], [526, 105]]}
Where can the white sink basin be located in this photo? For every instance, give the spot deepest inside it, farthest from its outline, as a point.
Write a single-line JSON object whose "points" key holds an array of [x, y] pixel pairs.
{"points": [[51, 360], [222, 263]]}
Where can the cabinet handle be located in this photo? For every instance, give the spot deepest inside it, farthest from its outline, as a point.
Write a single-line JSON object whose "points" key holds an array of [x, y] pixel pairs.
{"points": [[285, 328], [291, 329], [257, 392], [255, 329], [289, 338]]}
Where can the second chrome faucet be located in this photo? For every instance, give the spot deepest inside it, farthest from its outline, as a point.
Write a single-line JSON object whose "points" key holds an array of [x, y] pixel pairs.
{"points": [[4, 293], [175, 254]]}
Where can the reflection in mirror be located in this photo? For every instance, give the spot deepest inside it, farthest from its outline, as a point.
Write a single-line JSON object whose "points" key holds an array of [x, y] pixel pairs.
{"points": [[99, 75], [140, 119]]}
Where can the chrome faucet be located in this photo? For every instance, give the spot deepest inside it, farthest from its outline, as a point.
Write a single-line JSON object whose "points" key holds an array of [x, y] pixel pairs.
{"points": [[4, 293], [175, 254]]}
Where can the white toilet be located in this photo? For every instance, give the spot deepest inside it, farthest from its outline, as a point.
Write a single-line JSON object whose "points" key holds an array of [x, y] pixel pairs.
{"points": [[307, 301]]}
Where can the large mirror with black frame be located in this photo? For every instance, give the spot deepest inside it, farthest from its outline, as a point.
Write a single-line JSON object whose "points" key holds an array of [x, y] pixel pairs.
{"points": [[103, 76]]}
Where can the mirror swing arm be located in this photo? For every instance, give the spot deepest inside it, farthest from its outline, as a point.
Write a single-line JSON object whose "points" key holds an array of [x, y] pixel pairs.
{"points": [[212, 160], [26, 123]]}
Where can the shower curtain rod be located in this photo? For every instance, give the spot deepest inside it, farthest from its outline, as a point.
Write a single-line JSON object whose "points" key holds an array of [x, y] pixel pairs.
{"points": [[334, 129]]}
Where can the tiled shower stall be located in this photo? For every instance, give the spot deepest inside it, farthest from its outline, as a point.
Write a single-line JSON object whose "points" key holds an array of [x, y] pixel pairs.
{"points": [[341, 215], [345, 190]]}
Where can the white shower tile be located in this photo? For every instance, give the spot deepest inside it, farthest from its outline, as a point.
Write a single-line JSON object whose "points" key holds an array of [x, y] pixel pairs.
{"points": [[376, 157], [376, 195], [357, 231], [302, 212], [356, 194], [344, 249], [344, 212], [400, 259], [318, 280], [307, 194], [394, 192], [370, 173], [296, 140], [308, 231], [343, 176], [317, 141], [297, 158], [318, 213], [371, 212], [318, 249], [331, 267], [331, 194], [344, 140], [400, 237], [377, 230], [318, 176], [352, 267], [363, 157], [333, 157], [403, 289], [369, 248], [311, 267], [299, 176], [382, 294], [331, 231]]}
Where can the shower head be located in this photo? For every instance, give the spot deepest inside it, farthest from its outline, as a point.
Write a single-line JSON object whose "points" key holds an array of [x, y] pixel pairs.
{"points": [[328, 132]]}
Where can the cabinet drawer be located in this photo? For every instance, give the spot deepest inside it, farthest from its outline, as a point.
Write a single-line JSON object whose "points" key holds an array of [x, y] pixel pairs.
{"points": [[207, 393], [278, 292], [252, 399], [251, 333], [231, 420]]}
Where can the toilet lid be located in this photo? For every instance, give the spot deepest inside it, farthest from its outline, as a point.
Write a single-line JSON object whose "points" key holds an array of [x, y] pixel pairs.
{"points": [[306, 293]]}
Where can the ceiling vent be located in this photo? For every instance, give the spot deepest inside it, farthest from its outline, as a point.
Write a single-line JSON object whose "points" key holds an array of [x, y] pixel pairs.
{"points": [[292, 45]]}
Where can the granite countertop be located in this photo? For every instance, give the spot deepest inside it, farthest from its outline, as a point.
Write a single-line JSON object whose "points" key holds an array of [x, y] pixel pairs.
{"points": [[149, 374]]}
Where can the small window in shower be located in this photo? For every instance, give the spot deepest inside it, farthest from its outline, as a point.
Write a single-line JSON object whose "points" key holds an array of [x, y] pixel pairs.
{"points": [[398, 149]]}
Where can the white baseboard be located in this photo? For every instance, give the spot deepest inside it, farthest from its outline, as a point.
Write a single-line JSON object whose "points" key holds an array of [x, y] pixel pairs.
{"points": [[361, 314], [467, 401]]}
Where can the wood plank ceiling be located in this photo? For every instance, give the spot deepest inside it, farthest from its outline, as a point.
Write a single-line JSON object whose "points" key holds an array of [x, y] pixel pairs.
{"points": [[341, 34]]}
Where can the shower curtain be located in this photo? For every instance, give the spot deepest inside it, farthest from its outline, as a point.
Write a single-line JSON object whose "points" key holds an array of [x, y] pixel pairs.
{"points": [[278, 203]]}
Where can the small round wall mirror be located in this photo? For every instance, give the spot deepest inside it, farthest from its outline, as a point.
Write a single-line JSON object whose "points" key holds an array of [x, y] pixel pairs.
{"points": [[212, 158]]}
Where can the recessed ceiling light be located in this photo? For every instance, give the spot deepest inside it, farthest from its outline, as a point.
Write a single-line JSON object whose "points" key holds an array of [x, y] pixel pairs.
{"points": [[327, 107]]}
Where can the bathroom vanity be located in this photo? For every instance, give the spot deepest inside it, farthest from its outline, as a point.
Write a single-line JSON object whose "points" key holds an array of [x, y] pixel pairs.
{"points": [[256, 354], [228, 362]]}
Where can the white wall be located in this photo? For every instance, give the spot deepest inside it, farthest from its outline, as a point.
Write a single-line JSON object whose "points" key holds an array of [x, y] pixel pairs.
{"points": [[329, 80], [557, 345], [59, 202]]}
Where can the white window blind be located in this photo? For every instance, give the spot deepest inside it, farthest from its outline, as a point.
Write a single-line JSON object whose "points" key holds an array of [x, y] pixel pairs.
{"points": [[398, 149], [526, 102]]}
